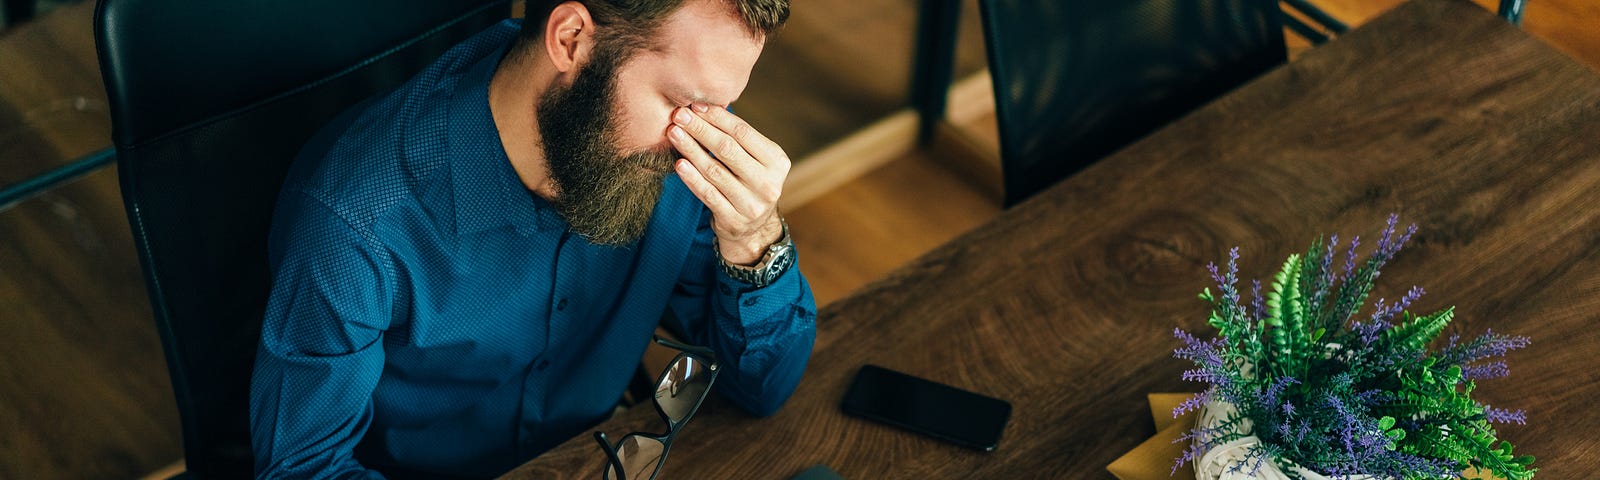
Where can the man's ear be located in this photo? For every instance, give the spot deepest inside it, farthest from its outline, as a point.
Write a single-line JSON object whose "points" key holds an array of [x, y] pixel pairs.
{"points": [[568, 36]]}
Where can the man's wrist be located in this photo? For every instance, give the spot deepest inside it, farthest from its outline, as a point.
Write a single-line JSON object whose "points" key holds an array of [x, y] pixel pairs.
{"points": [[775, 259], [749, 251]]}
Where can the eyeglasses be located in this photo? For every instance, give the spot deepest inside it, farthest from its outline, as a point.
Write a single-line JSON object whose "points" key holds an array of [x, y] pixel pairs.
{"points": [[679, 392]]}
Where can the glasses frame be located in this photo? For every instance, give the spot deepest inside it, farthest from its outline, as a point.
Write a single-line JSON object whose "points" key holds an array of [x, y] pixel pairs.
{"points": [[613, 459]]}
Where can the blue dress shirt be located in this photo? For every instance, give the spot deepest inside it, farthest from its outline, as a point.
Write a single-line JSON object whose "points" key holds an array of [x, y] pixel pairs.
{"points": [[429, 316]]}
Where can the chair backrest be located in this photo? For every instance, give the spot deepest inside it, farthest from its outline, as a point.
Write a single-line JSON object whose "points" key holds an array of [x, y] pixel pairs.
{"points": [[1076, 80], [1511, 10], [210, 102]]}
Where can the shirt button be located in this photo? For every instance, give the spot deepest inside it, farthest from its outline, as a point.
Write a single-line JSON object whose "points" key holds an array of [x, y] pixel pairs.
{"points": [[543, 363], [750, 301], [725, 289], [561, 305]]}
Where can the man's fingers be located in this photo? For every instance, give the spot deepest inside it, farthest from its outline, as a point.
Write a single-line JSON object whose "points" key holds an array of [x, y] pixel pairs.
{"points": [[708, 137], [736, 190], [705, 191], [761, 148]]}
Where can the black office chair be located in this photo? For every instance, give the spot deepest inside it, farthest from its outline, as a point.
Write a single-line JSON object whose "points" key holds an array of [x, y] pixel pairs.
{"points": [[210, 101], [1511, 10], [1076, 80], [1327, 26]]}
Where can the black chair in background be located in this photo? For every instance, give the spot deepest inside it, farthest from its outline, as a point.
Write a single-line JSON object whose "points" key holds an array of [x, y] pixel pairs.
{"points": [[1327, 26], [1076, 80], [16, 11], [210, 101], [1511, 10], [937, 27]]}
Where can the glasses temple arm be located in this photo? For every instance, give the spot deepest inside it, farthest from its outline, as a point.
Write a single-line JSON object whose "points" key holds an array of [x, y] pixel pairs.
{"points": [[611, 456], [695, 349]]}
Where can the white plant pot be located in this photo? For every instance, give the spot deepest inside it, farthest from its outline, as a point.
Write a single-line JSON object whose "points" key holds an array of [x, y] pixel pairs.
{"points": [[1229, 461]]}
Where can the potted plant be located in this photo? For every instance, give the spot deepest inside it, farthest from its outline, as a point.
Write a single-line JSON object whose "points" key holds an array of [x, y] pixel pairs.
{"points": [[1305, 382]]}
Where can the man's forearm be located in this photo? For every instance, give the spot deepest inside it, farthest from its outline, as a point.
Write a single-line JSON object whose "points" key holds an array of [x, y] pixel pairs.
{"points": [[767, 334]]}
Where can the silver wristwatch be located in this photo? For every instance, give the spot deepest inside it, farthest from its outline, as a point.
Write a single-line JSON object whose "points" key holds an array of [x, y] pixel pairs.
{"points": [[779, 256]]}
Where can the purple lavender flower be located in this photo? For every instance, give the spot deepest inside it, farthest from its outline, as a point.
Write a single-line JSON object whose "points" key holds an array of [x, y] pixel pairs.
{"points": [[1347, 422], [1500, 415], [1258, 310], [1488, 345], [1206, 353], [1388, 234], [1378, 308], [1192, 404], [1329, 276], [1300, 434], [1255, 458], [1388, 246], [1485, 371], [1269, 397], [1498, 346], [1350, 258], [1383, 315], [1410, 230], [1368, 332], [1339, 414], [1412, 295], [1192, 453], [1204, 375]]}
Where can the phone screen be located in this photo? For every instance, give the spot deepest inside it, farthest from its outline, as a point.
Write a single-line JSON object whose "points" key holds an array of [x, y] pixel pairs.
{"points": [[923, 406]]}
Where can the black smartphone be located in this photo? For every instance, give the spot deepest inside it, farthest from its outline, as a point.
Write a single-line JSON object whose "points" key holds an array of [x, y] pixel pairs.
{"points": [[817, 472], [927, 407]]}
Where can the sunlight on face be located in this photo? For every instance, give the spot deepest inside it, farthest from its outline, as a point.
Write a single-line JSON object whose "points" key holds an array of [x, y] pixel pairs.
{"points": [[604, 133], [704, 55]]}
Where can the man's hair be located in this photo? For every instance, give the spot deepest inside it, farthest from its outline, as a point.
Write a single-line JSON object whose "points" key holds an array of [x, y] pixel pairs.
{"points": [[632, 24]]}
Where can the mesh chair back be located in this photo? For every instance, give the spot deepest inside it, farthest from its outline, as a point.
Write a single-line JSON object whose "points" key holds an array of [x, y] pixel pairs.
{"points": [[1076, 80], [210, 102]]}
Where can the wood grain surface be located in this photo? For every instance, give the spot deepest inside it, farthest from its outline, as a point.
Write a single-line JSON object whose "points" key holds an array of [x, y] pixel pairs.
{"points": [[845, 240], [52, 105], [1065, 304], [84, 391], [83, 385]]}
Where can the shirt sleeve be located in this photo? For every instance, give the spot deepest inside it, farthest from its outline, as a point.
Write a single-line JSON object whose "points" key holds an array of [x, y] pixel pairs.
{"points": [[761, 335], [321, 349]]}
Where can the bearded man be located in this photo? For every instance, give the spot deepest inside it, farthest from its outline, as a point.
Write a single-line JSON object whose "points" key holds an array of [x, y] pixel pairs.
{"points": [[467, 270]]}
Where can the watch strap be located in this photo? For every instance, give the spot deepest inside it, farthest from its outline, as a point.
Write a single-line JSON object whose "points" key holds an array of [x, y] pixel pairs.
{"points": [[777, 260]]}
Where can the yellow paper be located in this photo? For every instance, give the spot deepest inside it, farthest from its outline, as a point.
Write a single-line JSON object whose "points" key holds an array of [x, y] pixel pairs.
{"points": [[1152, 460], [1161, 405]]}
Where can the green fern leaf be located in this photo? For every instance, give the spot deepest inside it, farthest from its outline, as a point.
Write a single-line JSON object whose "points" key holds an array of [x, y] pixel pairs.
{"points": [[1415, 332], [1286, 313]]}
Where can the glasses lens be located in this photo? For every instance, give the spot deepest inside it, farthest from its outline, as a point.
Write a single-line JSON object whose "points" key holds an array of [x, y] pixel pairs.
{"points": [[683, 386], [639, 456]]}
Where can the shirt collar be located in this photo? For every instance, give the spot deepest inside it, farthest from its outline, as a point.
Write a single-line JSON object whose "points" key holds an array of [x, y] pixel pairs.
{"points": [[487, 192]]}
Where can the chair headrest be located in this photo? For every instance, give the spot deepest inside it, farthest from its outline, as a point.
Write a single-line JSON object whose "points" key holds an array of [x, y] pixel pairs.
{"points": [[176, 62]]}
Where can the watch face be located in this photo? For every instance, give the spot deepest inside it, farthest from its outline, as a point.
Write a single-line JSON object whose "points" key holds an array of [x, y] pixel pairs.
{"points": [[778, 259]]}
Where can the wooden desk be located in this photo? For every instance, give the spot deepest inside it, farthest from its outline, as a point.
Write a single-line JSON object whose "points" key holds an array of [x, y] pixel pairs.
{"points": [[1484, 137]]}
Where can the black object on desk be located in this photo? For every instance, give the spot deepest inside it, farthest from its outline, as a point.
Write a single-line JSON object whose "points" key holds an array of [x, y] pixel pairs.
{"points": [[926, 407], [817, 472]]}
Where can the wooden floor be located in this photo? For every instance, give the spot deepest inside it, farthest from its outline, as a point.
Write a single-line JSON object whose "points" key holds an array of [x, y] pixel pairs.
{"points": [[866, 228], [83, 386]]}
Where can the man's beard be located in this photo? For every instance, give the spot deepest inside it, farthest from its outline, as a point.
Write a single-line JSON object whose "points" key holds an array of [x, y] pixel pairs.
{"points": [[605, 195]]}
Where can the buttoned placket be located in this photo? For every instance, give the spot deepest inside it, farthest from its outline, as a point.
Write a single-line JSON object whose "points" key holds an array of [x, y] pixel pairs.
{"points": [[564, 276]]}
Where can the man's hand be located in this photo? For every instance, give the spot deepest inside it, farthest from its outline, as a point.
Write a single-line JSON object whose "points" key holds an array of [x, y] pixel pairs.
{"points": [[741, 185]]}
